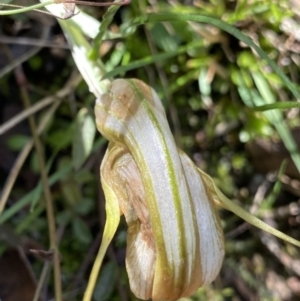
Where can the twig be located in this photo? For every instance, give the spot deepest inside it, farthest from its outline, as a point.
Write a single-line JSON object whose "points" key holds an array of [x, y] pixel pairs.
{"points": [[42, 279], [292, 209], [259, 196], [273, 246], [14, 172], [24, 57], [48, 197], [33, 42], [26, 113], [70, 85], [68, 88]]}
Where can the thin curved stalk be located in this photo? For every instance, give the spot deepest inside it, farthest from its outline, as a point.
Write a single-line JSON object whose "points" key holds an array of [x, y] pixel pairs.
{"points": [[24, 9]]}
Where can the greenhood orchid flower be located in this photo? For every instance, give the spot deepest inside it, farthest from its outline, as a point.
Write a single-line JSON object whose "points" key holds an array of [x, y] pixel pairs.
{"points": [[171, 219], [175, 241]]}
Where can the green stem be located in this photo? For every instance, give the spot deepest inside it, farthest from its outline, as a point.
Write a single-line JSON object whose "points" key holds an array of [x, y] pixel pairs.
{"points": [[222, 201], [23, 9], [253, 220]]}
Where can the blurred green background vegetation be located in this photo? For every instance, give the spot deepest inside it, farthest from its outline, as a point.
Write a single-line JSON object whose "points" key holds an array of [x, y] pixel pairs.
{"points": [[209, 82]]}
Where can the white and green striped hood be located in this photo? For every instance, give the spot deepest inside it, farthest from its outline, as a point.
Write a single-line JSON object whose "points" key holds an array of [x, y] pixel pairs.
{"points": [[175, 241]]}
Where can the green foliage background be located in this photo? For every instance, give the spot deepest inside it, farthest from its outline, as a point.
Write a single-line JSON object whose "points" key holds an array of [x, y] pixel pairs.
{"points": [[209, 82]]}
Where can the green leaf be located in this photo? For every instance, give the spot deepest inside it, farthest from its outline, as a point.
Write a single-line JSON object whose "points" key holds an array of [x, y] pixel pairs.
{"points": [[278, 106], [5, 2], [153, 18], [275, 117], [83, 137], [85, 206], [81, 231], [164, 39], [107, 18], [17, 142], [105, 283], [160, 57], [60, 138], [27, 199], [71, 191]]}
